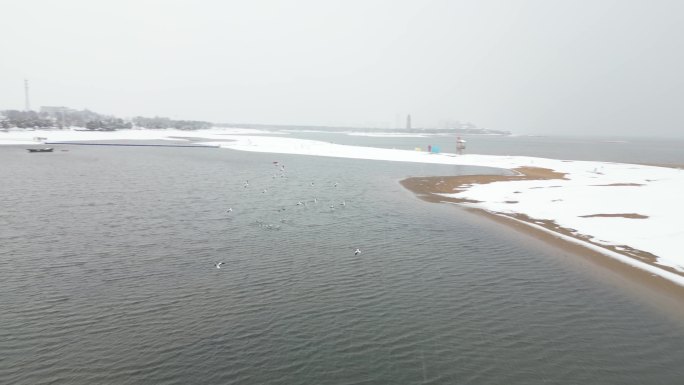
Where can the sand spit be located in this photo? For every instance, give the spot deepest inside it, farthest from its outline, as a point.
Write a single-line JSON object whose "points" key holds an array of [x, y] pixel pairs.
{"points": [[606, 267], [446, 189]]}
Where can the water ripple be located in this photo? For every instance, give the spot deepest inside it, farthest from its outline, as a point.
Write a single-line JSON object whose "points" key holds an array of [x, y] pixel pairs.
{"points": [[117, 284]]}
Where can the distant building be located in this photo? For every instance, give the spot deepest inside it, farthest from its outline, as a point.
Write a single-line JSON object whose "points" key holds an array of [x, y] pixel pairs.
{"points": [[53, 110], [408, 122]]}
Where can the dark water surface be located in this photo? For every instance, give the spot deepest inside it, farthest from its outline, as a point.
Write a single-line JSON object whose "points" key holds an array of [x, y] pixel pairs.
{"points": [[107, 263]]}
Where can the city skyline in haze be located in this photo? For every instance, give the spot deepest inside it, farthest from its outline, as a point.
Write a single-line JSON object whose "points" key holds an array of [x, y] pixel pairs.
{"points": [[529, 67]]}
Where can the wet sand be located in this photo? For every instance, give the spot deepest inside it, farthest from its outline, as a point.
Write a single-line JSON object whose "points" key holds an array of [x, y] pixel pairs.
{"points": [[429, 188]]}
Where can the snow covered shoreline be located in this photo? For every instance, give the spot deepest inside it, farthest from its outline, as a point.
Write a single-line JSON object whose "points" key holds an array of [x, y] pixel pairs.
{"points": [[613, 204]]}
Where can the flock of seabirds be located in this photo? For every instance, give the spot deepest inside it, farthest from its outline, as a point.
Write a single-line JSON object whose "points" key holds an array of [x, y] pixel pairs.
{"points": [[281, 168]]}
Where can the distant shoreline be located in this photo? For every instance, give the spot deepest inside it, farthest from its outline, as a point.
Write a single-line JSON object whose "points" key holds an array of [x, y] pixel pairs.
{"points": [[431, 189]]}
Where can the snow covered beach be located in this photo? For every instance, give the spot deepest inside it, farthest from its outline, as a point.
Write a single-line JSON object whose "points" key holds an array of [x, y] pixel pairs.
{"points": [[625, 211]]}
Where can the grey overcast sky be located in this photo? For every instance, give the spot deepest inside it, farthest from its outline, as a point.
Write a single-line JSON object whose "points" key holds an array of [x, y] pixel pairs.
{"points": [[531, 67]]}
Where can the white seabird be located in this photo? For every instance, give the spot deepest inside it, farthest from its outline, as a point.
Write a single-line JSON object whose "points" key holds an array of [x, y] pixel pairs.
{"points": [[357, 252], [218, 265], [230, 210]]}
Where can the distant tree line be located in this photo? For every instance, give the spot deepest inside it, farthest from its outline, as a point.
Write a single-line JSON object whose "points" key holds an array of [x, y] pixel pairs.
{"points": [[24, 119], [62, 117], [160, 122]]}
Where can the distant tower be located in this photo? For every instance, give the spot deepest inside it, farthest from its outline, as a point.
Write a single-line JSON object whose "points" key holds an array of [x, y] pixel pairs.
{"points": [[408, 122], [27, 105]]}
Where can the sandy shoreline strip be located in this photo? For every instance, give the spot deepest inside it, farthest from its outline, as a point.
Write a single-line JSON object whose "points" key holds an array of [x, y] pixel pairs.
{"points": [[431, 189]]}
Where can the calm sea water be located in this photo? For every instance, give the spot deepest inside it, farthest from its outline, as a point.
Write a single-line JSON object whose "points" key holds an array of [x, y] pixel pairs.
{"points": [[107, 262]]}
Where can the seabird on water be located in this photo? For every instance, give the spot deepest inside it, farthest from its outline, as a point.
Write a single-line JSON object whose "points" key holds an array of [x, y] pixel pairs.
{"points": [[357, 252], [230, 210], [218, 265]]}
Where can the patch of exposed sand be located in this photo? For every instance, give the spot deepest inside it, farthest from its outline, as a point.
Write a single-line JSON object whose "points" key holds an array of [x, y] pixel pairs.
{"points": [[427, 187], [630, 215], [618, 184]]}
